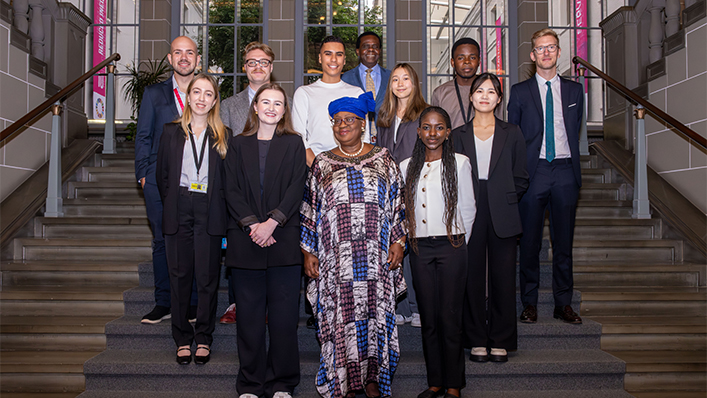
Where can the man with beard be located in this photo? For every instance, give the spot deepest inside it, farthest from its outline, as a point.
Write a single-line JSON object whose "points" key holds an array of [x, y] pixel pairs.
{"points": [[453, 96], [162, 103]]}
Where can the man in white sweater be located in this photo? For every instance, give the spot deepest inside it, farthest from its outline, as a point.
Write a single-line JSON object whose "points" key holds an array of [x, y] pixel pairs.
{"points": [[310, 103]]}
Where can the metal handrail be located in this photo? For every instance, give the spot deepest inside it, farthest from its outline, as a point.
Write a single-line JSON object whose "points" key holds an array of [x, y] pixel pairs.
{"points": [[637, 100], [58, 97]]}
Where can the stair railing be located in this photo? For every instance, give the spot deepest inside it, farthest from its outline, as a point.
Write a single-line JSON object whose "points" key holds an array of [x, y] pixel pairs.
{"points": [[641, 203], [54, 193]]}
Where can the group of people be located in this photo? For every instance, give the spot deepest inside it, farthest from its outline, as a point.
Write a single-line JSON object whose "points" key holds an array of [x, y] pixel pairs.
{"points": [[396, 211]]}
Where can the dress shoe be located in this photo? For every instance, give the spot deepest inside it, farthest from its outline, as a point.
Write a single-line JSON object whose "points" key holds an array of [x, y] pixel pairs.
{"points": [[431, 394], [479, 354], [186, 359], [202, 359], [529, 314], [157, 315], [191, 314], [229, 317], [498, 355], [567, 314]]}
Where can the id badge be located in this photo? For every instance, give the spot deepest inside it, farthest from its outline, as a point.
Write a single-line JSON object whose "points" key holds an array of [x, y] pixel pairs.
{"points": [[197, 187]]}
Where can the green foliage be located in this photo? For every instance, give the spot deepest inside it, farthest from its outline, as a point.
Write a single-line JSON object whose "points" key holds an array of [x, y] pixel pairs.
{"points": [[141, 76]]}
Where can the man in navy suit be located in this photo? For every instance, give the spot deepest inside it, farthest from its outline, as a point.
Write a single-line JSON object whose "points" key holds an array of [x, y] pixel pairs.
{"points": [[368, 74], [162, 103], [548, 110]]}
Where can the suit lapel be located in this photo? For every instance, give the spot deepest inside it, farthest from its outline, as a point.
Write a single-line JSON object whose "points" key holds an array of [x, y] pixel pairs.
{"points": [[467, 137], [565, 91], [251, 162], [499, 141], [243, 104], [276, 153], [178, 152], [168, 92], [535, 93], [212, 162]]}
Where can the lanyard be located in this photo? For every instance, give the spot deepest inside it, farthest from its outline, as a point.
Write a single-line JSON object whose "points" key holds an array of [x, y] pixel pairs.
{"points": [[461, 104], [179, 98], [193, 148]]}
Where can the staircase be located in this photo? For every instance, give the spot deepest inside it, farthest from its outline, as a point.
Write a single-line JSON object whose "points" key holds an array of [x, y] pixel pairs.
{"points": [[61, 286]]}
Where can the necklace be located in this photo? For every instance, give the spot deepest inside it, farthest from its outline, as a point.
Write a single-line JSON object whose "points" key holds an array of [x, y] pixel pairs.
{"points": [[352, 155]]}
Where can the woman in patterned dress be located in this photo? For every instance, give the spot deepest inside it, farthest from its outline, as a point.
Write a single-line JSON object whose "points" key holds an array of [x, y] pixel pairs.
{"points": [[353, 237]]}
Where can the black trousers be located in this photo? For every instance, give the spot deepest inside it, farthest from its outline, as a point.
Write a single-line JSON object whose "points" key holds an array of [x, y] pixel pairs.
{"points": [[496, 326], [193, 254], [273, 291], [553, 187], [439, 275]]}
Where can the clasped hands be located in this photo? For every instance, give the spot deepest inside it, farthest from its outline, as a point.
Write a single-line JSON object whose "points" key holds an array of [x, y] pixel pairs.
{"points": [[261, 233], [395, 259]]}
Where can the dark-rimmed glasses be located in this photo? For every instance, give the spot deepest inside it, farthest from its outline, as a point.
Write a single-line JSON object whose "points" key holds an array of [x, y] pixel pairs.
{"points": [[347, 120], [252, 63]]}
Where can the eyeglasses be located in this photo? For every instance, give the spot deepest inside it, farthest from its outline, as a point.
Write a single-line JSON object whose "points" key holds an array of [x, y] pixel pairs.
{"points": [[541, 49], [252, 63], [348, 120]]}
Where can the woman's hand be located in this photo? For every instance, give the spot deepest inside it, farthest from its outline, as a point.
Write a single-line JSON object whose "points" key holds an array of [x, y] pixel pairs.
{"points": [[261, 233], [311, 265], [395, 255]]}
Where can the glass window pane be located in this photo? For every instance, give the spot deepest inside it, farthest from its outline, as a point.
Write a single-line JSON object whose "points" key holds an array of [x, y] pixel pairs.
{"points": [[251, 11], [221, 45], [349, 36], [466, 12], [345, 12], [313, 36], [246, 34], [561, 13], [126, 12], [316, 12], [193, 12], [373, 13], [496, 51], [221, 12], [127, 41], [567, 46], [439, 45], [496, 13]]}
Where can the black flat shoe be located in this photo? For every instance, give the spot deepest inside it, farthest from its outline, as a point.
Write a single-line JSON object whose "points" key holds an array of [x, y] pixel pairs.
{"points": [[431, 394], [186, 359], [200, 360]]}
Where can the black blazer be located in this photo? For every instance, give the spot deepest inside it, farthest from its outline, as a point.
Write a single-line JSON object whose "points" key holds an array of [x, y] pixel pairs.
{"points": [[508, 178], [169, 171], [407, 135], [283, 187], [526, 110], [157, 108]]}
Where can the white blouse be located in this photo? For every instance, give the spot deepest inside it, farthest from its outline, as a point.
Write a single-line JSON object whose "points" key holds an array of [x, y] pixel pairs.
{"points": [[429, 202], [483, 156]]}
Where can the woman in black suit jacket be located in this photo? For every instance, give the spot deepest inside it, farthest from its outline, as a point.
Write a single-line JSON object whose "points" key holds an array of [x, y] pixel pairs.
{"points": [[190, 180], [265, 174], [497, 153]]}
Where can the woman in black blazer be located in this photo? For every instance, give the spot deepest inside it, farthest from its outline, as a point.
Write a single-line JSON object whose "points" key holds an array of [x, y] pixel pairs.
{"points": [[497, 153], [190, 180], [265, 176]]}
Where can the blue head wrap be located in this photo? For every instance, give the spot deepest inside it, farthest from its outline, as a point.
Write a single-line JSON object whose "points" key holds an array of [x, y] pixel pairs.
{"points": [[359, 106]]}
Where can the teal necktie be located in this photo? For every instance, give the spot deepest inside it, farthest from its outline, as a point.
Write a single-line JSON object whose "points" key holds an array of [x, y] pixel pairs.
{"points": [[549, 125]]}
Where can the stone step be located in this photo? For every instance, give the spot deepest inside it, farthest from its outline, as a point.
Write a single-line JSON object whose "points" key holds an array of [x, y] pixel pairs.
{"points": [[117, 206], [69, 273], [596, 176], [51, 341], [604, 209], [658, 341], [44, 394], [666, 382], [588, 162], [526, 369], [54, 324], [657, 361], [118, 160], [109, 174], [43, 361], [608, 191], [104, 189], [92, 227], [102, 301], [627, 301], [612, 228], [630, 274], [71, 249], [674, 324], [128, 333], [40, 383], [647, 251], [671, 394]]}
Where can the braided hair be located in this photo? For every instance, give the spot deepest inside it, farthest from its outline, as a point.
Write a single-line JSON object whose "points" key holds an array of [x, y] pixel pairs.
{"points": [[449, 182]]}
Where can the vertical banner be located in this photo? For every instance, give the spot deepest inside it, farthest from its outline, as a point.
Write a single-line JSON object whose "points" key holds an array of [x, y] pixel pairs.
{"points": [[499, 48], [100, 17], [581, 23]]}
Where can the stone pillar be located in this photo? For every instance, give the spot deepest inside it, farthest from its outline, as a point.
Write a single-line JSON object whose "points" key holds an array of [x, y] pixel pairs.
{"points": [[532, 16], [409, 22], [281, 37], [620, 31], [69, 39], [36, 30], [155, 28], [20, 10], [672, 17]]}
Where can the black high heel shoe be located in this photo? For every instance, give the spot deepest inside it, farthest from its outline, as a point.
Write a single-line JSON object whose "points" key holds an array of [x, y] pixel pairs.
{"points": [[186, 359], [199, 359]]}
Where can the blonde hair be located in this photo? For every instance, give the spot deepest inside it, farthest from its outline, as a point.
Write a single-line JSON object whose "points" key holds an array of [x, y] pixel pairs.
{"points": [[416, 104], [255, 45], [544, 32], [284, 126], [218, 129]]}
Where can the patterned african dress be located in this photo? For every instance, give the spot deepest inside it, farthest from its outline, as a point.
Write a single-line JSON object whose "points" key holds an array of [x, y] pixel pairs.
{"points": [[352, 211]]}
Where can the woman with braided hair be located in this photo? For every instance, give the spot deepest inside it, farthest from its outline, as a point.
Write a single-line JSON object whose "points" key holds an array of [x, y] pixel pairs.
{"points": [[441, 209]]}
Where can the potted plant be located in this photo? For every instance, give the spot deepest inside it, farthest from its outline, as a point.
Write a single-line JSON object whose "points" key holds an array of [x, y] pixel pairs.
{"points": [[142, 75]]}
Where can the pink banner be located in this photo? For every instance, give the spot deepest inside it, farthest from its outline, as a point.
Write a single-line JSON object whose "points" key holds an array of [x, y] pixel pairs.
{"points": [[581, 22], [100, 17], [499, 48]]}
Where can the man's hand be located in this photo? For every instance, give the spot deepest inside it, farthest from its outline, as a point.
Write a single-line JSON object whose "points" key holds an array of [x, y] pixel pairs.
{"points": [[395, 256], [142, 182], [311, 265]]}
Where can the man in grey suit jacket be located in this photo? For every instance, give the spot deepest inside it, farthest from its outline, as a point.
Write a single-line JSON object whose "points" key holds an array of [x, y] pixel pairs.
{"points": [[368, 49], [257, 65]]}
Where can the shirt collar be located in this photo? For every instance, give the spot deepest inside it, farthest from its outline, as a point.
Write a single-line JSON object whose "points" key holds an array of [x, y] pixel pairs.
{"points": [[175, 85], [251, 94], [541, 80], [362, 68]]}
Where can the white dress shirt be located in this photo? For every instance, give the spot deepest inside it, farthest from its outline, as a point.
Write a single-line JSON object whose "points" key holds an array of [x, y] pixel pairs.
{"points": [[483, 156], [189, 163], [182, 96], [251, 94], [429, 199], [562, 146]]}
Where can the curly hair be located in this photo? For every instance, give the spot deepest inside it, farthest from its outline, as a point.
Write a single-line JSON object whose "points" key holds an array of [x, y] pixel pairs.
{"points": [[449, 182]]}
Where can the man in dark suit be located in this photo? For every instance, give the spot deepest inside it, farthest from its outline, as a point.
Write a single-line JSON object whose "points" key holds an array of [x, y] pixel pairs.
{"points": [[162, 103], [548, 110], [368, 74]]}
